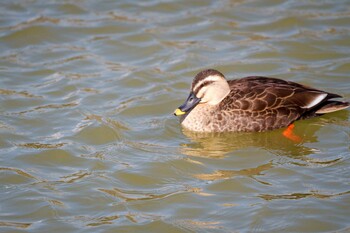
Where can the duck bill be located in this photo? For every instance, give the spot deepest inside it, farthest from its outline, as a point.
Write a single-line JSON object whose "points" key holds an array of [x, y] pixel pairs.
{"points": [[189, 104]]}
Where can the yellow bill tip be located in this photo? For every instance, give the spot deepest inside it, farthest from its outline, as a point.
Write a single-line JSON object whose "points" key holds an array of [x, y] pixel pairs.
{"points": [[178, 112]]}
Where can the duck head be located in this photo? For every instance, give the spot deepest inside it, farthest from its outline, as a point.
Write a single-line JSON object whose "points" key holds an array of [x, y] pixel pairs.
{"points": [[208, 87]]}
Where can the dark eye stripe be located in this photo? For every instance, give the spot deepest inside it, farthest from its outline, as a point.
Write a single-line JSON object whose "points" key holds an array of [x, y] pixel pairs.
{"points": [[206, 83]]}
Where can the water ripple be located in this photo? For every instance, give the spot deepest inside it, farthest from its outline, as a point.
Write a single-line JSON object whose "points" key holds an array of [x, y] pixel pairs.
{"points": [[87, 137], [102, 220], [75, 177], [19, 172], [37, 145], [226, 174], [19, 93], [130, 195], [20, 225], [295, 196], [49, 107]]}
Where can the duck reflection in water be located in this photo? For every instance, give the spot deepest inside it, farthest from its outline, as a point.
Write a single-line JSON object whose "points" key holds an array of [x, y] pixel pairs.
{"points": [[218, 145], [222, 145]]}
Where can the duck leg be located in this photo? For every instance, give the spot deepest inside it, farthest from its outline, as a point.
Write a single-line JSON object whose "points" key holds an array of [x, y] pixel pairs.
{"points": [[289, 134]]}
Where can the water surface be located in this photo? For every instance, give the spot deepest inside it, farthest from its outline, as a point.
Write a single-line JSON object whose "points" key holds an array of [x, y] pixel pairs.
{"points": [[88, 141]]}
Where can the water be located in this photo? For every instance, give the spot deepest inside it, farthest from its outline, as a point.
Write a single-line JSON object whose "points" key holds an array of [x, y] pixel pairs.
{"points": [[89, 143]]}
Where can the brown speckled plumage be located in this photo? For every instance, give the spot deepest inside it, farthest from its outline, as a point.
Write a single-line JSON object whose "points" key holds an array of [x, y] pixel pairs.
{"points": [[255, 104]]}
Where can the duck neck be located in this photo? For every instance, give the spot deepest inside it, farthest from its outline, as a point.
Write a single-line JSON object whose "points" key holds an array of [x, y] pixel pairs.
{"points": [[200, 118]]}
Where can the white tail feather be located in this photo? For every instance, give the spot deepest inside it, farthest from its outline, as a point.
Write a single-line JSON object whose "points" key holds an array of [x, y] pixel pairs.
{"points": [[316, 100]]}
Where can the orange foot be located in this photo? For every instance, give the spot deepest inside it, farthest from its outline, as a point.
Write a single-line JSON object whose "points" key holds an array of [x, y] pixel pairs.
{"points": [[288, 133]]}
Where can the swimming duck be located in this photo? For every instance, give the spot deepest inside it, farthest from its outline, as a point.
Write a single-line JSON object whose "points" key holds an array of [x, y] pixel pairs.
{"points": [[250, 104]]}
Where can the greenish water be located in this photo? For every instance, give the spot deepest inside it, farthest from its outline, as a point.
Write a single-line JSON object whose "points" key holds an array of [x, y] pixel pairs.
{"points": [[88, 142]]}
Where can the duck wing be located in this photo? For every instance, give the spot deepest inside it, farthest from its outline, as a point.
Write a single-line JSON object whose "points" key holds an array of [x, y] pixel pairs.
{"points": [[263, 97]]}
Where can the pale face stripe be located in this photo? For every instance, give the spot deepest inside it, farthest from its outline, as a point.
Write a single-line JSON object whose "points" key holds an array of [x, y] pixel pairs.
{"points": [[204, 82]]}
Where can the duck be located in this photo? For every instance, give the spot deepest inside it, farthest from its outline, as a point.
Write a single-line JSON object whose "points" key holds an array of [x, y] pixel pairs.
{"points": [[251, 104]]}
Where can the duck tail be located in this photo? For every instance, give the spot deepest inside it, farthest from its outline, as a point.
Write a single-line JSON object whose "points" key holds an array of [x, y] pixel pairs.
{"points": [[332, 106]]}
